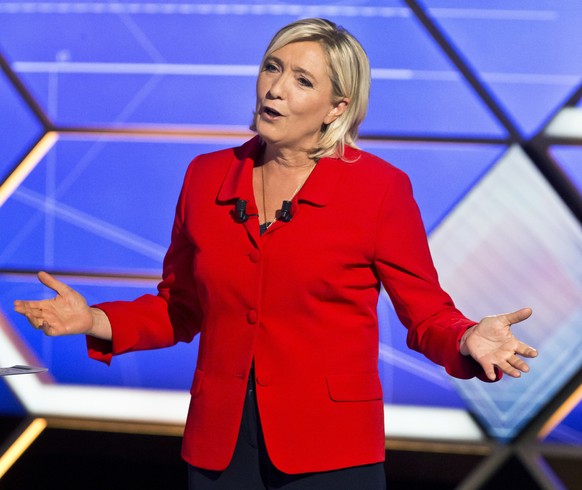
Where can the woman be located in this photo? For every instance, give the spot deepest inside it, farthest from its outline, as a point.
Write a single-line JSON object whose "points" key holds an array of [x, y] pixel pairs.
{"points": [[278, 251]]}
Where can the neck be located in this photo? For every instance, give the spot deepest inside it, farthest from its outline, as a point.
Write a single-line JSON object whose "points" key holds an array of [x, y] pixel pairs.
{"points": [[278, 177], [284, 158]]}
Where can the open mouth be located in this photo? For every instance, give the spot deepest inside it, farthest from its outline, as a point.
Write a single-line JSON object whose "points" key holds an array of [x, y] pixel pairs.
{"points": [[271, 112]]}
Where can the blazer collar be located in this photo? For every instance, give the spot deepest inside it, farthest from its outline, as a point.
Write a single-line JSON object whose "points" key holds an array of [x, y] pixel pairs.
{"points": [[238, 183], [321, 184], [317, 190]]}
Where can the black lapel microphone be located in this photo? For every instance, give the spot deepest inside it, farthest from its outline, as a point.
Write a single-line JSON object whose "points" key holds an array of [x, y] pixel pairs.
{"points": [[285, 214], [240, 211]]}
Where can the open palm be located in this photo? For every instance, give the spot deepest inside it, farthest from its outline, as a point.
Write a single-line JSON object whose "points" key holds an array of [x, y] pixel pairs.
{"points": [[492, 344], [67, 313]]}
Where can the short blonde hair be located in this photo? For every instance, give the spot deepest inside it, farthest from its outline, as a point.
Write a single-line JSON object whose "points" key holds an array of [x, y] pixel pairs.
{"points": [[349, 72]]}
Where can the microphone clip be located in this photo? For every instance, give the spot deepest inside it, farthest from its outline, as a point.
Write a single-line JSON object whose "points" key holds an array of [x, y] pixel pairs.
{"points": [[285, 214], [240, 211]]}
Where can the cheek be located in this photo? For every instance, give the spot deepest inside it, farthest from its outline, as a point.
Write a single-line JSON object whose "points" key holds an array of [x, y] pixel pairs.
{"points": [[315, 111], [260, 87], [257, 94], [300, 103], [319, 105]]}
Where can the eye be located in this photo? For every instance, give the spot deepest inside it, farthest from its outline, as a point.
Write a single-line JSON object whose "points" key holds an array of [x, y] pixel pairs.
{"points": [[304, 82], [270, 66]]}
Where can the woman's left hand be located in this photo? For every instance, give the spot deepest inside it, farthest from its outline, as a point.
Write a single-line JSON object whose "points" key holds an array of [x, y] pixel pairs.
{"points": [[492, 344]]}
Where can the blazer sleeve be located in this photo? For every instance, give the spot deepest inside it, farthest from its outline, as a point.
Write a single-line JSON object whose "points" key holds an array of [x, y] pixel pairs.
{"points": [[403, 261], [162, 320]]}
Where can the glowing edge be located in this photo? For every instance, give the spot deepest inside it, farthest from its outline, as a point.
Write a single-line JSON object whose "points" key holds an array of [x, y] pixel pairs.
{"points": [[559, 415], [567, 124], [21, 444], [27, 165], [448, 424]]}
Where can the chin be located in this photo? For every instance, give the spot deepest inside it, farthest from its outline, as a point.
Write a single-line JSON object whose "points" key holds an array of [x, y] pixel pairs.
{"points": [[265, 134]]}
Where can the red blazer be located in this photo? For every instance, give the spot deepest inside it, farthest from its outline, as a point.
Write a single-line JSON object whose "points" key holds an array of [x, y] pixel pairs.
{"points": [[301, 300]]}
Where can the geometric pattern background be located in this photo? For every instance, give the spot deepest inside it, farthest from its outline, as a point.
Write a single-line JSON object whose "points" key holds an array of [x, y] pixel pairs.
{"points": [[103, 105]]}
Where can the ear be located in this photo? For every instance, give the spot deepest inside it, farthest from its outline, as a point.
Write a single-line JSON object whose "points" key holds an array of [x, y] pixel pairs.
{"points": [[337, 110]]}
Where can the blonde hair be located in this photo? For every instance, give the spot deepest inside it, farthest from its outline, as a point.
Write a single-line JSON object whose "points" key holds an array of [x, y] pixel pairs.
{"points": [[349, 72]]}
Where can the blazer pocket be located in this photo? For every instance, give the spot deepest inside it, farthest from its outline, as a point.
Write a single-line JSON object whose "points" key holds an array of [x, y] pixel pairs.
{"points": [[197, 382], [353, 387]]}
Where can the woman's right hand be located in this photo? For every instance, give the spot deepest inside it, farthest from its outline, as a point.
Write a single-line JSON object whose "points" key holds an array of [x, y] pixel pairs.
{"points": [[65, 314]]}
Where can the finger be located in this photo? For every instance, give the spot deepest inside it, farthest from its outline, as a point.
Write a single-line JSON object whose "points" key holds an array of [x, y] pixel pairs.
{"points": [[24, 308], [20, 306], [518, 364], [33, 313], [36, 320], [508, 369], [31, 307], [52, 283], [49, 330], [489, 369], [525, 350], [517, 316]]}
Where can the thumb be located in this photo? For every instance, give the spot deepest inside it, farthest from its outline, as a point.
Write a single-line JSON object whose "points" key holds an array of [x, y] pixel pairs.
{"points": [[518, 316], [52, 283]]}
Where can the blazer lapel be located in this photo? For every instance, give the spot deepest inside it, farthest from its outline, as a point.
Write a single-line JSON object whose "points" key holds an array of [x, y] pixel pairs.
{"points": [[238, 184]]}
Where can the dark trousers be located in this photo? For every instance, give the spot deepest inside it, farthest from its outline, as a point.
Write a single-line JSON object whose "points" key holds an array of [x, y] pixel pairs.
{"points": [[252, 469]]}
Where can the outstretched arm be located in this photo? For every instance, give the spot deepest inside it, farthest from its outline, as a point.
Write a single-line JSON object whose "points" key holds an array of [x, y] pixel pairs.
{"points": [[65, 314], [492, 344]]}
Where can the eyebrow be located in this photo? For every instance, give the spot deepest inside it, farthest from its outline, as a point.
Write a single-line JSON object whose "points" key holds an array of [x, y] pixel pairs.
{"points": [[297, 69]]}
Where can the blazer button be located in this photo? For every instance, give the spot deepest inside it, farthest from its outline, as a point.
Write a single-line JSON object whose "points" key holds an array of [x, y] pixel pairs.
{"points": [[252, 317], [254, 256], [263, 380]]}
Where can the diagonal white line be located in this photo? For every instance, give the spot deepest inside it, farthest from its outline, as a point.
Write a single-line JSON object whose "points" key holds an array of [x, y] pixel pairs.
{"points": [[91, 224], [235, 70], [532, 78], [149, 8], [200, 9], [134, 68], [494, 14], [142, 39]]}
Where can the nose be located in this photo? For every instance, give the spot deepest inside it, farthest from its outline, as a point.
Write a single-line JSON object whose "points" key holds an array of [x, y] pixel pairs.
{"points": [[277, 87]]}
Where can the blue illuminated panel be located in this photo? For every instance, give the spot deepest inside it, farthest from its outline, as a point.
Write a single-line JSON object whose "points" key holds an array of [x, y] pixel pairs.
{"points": [[569, 158], [528, 54], [441, 174], [110, 206], [513, 243], [569, 431], [197, 66], [18, 127], [414, 85], [9, 404]]}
